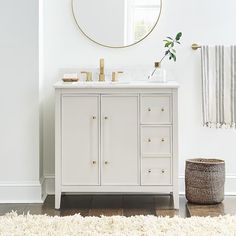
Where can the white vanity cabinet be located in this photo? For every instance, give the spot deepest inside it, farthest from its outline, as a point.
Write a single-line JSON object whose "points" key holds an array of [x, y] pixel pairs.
{"points": [[116, 138]]}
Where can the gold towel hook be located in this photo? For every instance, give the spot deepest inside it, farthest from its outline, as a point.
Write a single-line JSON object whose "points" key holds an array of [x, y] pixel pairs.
{"points": [[195, 46]]}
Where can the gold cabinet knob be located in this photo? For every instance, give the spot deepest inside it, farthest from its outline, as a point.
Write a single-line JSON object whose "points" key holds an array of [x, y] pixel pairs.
{"points": [[106, 162], [162, 171], [149, 171], [94, 162], [163, 140], [94, 117], [149, 109], [162, 109], [106, 118], [149, 140]]}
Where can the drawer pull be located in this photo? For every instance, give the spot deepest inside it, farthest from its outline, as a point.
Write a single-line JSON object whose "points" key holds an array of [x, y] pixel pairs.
{"points": [[94, 117], [162, 109], [162, 171], [106, 118], [149, 140], [149, 171], [94, 162], [163, 140], [106, 162], [149, 109]]}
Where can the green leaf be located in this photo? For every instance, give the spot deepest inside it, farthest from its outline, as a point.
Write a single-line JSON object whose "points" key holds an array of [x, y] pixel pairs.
{"points": [[168, 44], [172, 44], [178, 36], [178, 42], [169, 38], [173, 56], [173, 50]]}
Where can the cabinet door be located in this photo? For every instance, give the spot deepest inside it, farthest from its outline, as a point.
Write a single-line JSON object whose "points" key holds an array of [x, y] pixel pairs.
{"points": [[80, 146], [119, 142]]}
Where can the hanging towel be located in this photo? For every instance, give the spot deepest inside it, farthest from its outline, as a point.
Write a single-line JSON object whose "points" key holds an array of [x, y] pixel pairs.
{"points": [[218, 67]]}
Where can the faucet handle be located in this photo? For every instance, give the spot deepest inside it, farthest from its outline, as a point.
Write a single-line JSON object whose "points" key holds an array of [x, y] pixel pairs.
{"points": [[114, 75], [88, 75]]}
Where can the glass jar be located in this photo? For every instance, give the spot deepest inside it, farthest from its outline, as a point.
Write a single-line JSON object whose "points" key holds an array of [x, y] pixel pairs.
{"points": [[158, 74]]}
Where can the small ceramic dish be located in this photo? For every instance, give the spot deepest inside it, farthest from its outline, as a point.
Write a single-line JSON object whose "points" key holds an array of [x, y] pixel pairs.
{"points": [[70, 79]]}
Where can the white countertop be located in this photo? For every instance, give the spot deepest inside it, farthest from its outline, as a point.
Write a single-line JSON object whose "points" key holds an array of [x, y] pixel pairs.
{"points": [[108, 84]]}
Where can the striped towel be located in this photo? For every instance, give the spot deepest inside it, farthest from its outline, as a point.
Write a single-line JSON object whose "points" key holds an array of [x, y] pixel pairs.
{"points": [[219, 86]]}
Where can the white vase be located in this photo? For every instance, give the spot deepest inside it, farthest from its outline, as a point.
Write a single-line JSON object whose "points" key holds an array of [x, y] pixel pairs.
{"points": [[158, 74]]}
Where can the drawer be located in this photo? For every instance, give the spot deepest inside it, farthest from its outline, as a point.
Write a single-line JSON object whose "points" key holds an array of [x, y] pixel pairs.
{"points": [[156, 140], [156, 109], [156, 171]]}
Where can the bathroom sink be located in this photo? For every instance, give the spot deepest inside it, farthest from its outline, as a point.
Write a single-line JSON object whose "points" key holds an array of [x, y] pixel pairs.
{"points": [[118, 84], [102, 82]]}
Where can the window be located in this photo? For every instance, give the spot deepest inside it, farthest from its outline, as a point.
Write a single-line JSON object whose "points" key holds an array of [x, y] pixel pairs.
{"points": [[141, 16]]}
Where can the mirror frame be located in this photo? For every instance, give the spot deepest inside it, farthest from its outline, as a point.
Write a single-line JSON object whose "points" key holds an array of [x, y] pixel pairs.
{"points": [[108, 46]]}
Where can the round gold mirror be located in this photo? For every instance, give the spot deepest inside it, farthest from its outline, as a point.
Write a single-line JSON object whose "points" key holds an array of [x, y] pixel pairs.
{"points": [[116, 23]]}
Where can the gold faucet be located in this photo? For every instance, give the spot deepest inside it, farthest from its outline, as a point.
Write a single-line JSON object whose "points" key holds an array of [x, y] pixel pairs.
{"points": [[101, 74]]}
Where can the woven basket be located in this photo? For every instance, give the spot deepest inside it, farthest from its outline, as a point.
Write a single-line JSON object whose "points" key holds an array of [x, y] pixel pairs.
{"points": [[204, 181]]}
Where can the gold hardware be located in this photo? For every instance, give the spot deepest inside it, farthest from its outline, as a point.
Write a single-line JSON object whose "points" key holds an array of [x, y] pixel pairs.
{"points": [[149, 140], [115, 74], [195, 46], [162, 171], [157, 64], [70, 79], [149, 171], [163, 140], [106, 162], [101, 75], [162, 109], [88, 75], [94, 117], [149, 109], [94, 162], [106, 118]]}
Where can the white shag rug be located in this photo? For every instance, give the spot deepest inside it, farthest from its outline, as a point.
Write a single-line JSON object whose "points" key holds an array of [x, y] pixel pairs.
{"points": [[31, 225]]}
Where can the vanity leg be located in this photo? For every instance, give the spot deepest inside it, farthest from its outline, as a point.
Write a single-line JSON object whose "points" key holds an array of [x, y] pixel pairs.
{"points": [[57, 200], [176, 200]]}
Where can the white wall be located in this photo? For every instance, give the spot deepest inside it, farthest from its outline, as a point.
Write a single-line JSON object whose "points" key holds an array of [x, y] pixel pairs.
{"points": [[19, 101], [204, 22]]}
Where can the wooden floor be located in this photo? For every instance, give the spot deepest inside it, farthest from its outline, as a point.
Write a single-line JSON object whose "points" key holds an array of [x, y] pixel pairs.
{"points": [[126, 205]]}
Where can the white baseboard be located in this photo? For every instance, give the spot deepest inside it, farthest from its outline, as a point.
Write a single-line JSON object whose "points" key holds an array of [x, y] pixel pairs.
{"points": [[20, 192], [37, 191], [230, 185]]}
